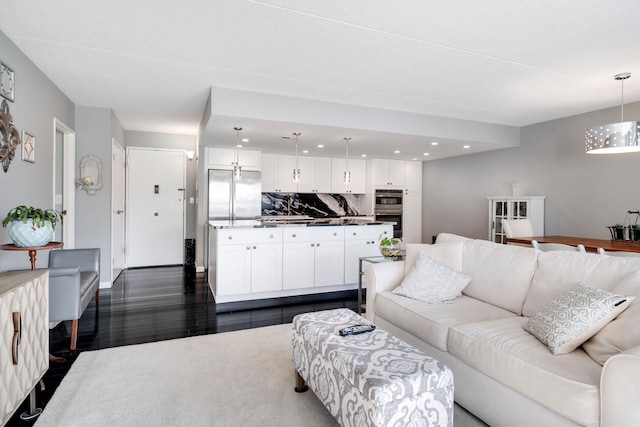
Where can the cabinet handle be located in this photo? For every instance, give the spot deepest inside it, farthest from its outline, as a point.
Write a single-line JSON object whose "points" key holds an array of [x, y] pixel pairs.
{"points": [[317, 244], [312, 245], [17, 334], [354, 233], [248, 248], [293, 235], [254, 247], [335, 234], [271, 236], [229, 237]]}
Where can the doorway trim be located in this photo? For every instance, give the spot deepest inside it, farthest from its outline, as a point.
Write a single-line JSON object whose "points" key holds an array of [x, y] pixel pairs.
{"points": [[68, 180], [116, 270]]}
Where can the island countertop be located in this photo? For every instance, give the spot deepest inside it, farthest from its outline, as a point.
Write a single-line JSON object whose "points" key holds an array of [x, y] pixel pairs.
{"points": [[294, 222]]}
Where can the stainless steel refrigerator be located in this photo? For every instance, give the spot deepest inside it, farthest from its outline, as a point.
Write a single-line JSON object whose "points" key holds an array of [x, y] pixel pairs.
{"points": [[233, 198]]}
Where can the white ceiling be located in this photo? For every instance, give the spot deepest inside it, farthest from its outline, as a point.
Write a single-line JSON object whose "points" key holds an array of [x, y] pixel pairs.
{"points": [[505, 62]]}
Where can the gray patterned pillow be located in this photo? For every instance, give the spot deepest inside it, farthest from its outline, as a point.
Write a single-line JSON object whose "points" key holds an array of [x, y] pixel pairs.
{"points": [[575, 316], [431, 281]]}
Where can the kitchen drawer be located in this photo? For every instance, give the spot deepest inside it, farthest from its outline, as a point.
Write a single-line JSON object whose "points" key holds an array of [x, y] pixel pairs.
{"points": [[321, 233], [367, 232], [249, 235]]}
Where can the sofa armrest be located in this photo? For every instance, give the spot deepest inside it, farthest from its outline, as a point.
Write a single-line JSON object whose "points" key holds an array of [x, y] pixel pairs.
{"points": [[619, 391], [381, 277], [64, 293]]}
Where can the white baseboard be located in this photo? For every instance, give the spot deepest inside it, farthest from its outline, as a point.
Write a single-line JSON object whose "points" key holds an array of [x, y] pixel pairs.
{"points": [[200, 269], [105, 285]]}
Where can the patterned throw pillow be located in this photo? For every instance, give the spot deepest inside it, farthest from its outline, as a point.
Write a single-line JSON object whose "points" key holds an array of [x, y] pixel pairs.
{"points": [[431, 281], [575, 316]]}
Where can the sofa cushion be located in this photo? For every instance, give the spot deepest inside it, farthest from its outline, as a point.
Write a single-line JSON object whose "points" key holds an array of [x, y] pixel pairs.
{"points": [[503, 350], [559, 271], [432, 281], [448, 237], [575, 316], [431, 322], [623, 332], [449, 253], [500, 274]]}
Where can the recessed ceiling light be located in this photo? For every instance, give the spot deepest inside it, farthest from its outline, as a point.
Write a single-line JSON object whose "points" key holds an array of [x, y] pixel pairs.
{"points": [[434, 143], [238, 146], [305, 151], [414, 159], [425, 154], [320, 146], [397, 151], [363, 155], [245, 139], [466, 146]]}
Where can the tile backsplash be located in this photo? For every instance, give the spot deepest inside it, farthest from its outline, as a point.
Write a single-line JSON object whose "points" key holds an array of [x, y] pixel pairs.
{"points": [[317, 205]]}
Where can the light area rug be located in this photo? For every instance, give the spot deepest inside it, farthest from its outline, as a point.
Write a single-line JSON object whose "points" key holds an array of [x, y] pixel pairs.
{"points": [[242, 378]]}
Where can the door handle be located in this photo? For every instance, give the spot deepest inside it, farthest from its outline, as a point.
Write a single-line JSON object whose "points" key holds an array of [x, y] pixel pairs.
{"points": [[119, 211], [64, 212], [156, 214]]}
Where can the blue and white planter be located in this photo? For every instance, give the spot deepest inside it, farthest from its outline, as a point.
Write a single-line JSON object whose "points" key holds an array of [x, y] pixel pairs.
{"points": [[27, 234]]}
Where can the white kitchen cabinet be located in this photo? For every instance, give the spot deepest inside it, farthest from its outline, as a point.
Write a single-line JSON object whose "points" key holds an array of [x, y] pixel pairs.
{"points": [[357, 184], [412, 203], [223, 158], [315, 174], [361, 241], [247, 261], [277, 173], [388, 173], [313, 252], [515, 207], [24, 307]]}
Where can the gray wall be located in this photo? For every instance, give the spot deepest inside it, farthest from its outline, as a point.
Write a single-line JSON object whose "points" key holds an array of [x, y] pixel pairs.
{"points": [[585, 192], [95, 127], [37, 102], [176, 142]]}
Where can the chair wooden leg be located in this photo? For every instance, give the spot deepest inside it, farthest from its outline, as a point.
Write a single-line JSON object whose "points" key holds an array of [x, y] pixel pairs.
{"points": [[74, 333], [97, 298]]}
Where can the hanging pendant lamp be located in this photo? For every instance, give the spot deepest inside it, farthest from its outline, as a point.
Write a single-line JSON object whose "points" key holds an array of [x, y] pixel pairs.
{"points": [[296, 169], [237, 169], [347, 173], [623, 137]]}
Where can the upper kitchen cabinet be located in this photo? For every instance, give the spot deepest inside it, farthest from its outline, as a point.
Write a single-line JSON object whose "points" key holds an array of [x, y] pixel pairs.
{"points": [[277, 173], [315, 174], [388, 173], [357, 183], [412, 177], [223, 158]]}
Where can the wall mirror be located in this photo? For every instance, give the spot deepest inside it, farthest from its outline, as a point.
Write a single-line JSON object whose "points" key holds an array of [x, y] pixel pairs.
{"points": [[90, 174]]}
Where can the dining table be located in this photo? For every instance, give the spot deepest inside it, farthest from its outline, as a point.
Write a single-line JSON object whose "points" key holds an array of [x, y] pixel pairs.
{"points": [[591, 245]]}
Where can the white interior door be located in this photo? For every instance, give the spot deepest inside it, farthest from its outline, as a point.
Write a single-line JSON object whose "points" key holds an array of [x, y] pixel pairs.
{"points": [[117, 210], [64, 176], [155, 207]]}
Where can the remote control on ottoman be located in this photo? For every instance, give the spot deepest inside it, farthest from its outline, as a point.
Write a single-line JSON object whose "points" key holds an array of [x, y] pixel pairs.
{"points": [[356, 329]]}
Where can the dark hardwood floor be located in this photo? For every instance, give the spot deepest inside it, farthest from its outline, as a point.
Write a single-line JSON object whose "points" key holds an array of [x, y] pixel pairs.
{"points": [[155, 304]]}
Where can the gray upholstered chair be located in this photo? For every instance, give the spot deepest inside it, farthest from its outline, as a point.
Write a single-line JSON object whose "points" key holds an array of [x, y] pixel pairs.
{"points": [[74, 278]]}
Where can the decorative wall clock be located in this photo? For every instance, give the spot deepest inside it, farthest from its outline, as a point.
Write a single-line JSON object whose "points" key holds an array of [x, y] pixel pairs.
{"points": [[7, 82]]}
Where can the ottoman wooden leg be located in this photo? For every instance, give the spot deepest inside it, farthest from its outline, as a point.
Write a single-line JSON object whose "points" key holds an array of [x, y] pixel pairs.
{"points": [[300, 387]]}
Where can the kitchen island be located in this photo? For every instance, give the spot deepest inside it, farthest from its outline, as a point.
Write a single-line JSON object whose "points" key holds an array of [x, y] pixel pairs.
{"points": [[283, 257]]}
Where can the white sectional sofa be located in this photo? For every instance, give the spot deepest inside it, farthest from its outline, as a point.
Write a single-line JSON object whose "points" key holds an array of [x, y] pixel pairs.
{"points": [[502, 373]]}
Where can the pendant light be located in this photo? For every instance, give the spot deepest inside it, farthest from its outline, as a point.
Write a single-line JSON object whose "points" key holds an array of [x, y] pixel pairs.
{"points": [[237, 169], [623, 137], [347, 173], [296, 169]]}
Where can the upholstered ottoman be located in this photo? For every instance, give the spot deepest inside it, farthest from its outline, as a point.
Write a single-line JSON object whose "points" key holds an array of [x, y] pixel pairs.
{"points": [[370, 379]]}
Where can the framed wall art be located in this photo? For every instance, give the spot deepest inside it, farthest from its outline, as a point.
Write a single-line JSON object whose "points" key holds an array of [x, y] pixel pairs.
{"points": [[7, 82], [28, 147]]}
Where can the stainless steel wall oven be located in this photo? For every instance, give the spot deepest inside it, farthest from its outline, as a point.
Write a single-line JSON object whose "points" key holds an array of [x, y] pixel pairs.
{"points": [[389, 208]]}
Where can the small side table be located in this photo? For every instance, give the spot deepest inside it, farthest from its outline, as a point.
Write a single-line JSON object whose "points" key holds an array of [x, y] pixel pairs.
{"points": [[32, 250], [373, 260]]}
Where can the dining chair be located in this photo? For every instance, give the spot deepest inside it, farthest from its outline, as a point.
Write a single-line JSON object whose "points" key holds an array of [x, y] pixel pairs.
{"points": [[546, 247], [601, 251], [517, 227]]}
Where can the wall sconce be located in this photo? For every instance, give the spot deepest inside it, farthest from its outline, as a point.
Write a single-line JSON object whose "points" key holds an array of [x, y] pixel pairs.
{"points": [[90, 175], [190, 154]]}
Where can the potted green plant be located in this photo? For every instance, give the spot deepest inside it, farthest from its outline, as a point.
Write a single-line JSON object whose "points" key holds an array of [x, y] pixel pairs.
{"points": [[390, 247], [31, 227]]}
